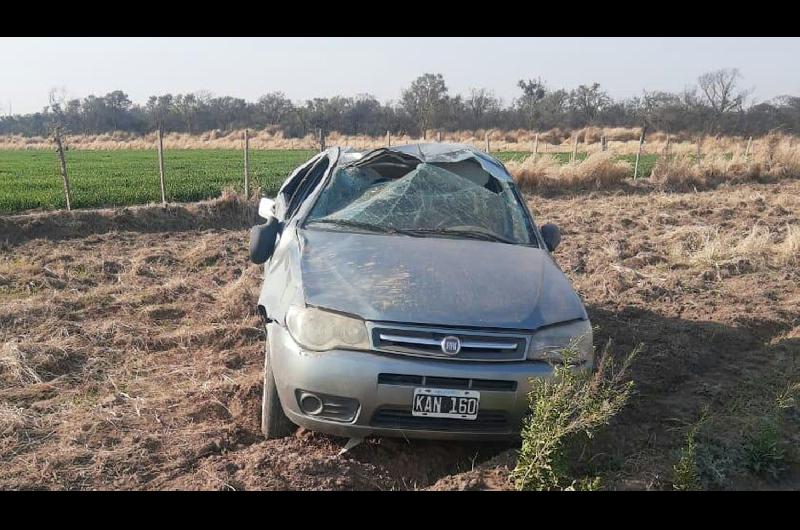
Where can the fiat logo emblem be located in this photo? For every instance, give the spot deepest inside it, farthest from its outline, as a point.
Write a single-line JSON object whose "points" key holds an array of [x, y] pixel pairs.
{"points": [[451, 345]]}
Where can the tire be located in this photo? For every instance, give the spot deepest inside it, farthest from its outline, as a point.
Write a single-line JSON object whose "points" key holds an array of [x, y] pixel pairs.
{"points": [[274, 422]]}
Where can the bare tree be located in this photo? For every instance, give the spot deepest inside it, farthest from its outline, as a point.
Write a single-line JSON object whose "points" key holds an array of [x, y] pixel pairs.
{"points": [[274, 107], [56, 99], [588, 101], [479, 103], [720, 91]]}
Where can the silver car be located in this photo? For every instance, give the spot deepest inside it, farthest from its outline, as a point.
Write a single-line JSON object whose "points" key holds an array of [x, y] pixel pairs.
{"points": [[408, 292]]}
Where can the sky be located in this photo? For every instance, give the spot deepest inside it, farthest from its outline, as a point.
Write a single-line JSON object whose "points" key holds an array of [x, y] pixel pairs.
{"points": [[303, 68]]}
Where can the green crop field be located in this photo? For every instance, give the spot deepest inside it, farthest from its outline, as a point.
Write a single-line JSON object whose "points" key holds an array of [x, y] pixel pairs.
{"points": [[31, 179]]}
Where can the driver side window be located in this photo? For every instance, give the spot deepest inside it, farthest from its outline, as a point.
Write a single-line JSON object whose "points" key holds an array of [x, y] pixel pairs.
{"points": [[289, 186], [306, 185]]}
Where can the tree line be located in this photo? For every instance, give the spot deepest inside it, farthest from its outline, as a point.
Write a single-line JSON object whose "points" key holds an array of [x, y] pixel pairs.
{"points": [[716, 104]]}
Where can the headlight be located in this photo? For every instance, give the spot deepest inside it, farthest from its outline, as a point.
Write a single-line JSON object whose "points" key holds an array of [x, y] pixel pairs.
{"points": [[550, 343], [315, 329]]}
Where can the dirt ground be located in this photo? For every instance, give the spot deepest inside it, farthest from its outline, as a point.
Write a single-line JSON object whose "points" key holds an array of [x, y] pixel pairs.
{"points": [[131, 353]]}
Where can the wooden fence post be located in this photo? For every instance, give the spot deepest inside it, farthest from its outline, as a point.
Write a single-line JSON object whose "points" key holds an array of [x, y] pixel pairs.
{"points": [[388, 139], [161, 165], [747, 150], [63, 162], [574, 148], [638, 154], [536, 145], [439, 136], [321, 140], [697, 155], [246, 165], [487, 141], [603, 144]]}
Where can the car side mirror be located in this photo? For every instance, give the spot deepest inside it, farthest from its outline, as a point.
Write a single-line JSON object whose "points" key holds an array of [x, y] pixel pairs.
{"points": [[551, 235], [266, 208], [262, 240]]}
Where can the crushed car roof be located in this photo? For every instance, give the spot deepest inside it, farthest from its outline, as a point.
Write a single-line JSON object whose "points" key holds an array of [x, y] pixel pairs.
{"points": [[431, 153]]}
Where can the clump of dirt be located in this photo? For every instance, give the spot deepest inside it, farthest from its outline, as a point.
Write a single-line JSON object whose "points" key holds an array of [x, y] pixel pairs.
{"points": [[131, 357], [491, 475]]}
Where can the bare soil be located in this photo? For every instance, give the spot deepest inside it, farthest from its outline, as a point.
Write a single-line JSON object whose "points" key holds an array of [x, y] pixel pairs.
{"points": [[131, 353]]}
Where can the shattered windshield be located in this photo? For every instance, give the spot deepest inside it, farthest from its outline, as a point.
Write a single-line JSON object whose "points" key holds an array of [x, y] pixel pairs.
{"points": [[457, 199]]}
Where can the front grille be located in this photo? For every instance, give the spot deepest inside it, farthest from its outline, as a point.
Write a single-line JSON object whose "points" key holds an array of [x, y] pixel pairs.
{"points": [[475, 345], [488, 421], [447, 382]]}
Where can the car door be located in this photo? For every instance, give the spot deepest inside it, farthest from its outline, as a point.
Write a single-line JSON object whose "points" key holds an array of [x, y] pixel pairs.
{"points": [[281, 273]]}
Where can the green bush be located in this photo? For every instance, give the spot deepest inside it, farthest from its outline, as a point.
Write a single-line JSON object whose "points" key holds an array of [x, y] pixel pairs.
{"points": [[570, 404]]}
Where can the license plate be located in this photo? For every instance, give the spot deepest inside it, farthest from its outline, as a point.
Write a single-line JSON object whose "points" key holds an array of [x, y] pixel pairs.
{"points": [[446, 403]]}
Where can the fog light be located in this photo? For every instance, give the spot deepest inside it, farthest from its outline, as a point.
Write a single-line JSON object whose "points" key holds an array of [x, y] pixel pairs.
{"points": [[310, 404], [326, 406]]}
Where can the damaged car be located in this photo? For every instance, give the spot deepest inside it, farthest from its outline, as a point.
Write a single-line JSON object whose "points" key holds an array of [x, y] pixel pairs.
{"points": [[408, 292]]}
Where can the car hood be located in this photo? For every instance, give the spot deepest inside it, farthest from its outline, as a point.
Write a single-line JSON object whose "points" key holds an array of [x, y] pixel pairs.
{"points": [[435, 281]]}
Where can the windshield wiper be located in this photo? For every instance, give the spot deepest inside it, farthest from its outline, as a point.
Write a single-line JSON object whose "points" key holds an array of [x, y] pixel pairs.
{"points": [[473, 233], [361, 225]]}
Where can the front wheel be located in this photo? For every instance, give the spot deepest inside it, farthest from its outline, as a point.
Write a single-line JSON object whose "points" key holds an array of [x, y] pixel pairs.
{"points": [[274, 422]]}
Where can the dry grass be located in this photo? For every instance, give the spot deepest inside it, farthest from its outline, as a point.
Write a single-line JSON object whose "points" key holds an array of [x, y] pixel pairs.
{"points": [[677, 168], [771, 158], [705, 247], [620, 140], [789, 249], [599, 170], [685, 173], [15, 367]]}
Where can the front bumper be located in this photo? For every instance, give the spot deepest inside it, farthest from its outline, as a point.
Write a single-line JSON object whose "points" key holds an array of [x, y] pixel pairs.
{"points": [[354, 375]]}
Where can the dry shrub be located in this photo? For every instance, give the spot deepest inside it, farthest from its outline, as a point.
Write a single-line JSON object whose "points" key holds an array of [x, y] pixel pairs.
{"points": [[599, 170], [705, 247], [594, 134], [756, 247], [554, 136], [788, 250], [784, 158], [238, 299], [678, 173], [622, 134], [535, 172], [13, 419], [16, 426], [15, 366], [684, 172]]}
